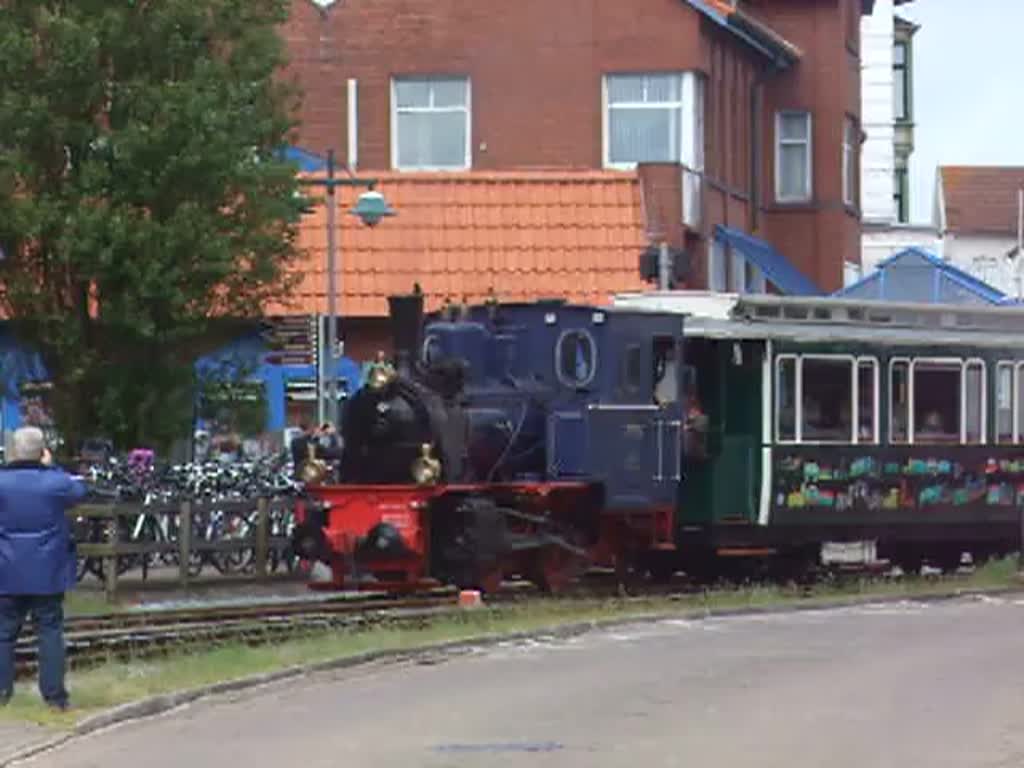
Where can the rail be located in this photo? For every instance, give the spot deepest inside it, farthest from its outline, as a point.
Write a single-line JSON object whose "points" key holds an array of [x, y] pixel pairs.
{"points": [[112, 538]]}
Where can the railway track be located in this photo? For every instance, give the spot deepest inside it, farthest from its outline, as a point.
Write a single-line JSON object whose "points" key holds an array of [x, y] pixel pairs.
{"points": [[142, 634]]}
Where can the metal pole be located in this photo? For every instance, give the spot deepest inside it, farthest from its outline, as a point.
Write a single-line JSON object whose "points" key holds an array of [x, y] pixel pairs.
{"points": [[1020, 240], [663, 267], [330, 379]]}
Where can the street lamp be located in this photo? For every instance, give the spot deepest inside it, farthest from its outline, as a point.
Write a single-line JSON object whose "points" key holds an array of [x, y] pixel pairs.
{"points": [[371, 208]]}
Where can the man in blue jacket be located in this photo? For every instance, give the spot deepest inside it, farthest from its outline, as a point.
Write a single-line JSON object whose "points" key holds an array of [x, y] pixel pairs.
{"points": [[37, 560]]}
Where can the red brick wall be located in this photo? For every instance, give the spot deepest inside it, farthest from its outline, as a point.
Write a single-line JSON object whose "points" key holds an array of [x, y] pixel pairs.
{"points": [[535, 68], [820, 235], [365, 337]]}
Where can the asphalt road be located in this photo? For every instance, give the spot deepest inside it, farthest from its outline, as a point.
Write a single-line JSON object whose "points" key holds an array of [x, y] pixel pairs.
{"points": [[901, 685]]}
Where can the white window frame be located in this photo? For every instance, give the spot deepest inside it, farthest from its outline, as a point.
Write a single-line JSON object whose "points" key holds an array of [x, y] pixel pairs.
{"points": [[798, 408], [893, 362], [1014, 369], [467, 109], [876, 416], [606, 108], [978, 362], [852, 273], [849, 162], [1018, 435], [809, 151], [962, 363], [797, 399], [716, 246]]}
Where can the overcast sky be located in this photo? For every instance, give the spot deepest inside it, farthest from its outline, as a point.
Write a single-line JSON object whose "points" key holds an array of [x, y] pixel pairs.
{"points": [[968, 89]]}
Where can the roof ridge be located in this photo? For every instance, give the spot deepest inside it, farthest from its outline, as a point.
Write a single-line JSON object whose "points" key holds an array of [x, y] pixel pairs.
{"points": [[963, 167], [483, 177]]}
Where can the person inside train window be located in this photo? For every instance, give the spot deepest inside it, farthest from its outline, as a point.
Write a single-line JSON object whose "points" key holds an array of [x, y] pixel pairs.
{"points": [[695, 429], [827, 398], [937, 410]]}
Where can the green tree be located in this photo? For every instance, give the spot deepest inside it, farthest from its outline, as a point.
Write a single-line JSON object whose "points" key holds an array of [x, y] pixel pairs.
{"points": [[142, 196]]}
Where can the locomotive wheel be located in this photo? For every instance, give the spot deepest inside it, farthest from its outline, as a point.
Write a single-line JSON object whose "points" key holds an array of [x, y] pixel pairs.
{"points": [[485, 578], [554, 568], [662, 566], [470, 545]]}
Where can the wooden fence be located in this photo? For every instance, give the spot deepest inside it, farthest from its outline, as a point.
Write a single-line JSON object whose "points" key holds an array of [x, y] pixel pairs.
{"points": [[109, 517]]}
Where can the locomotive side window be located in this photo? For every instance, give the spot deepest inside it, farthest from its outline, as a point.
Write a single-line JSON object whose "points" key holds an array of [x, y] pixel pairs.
{"points": [[633, 369], [432, 351], [576, 358]]}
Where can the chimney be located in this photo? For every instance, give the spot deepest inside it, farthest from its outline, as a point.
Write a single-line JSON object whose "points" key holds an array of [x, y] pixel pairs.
{"points": [[406, 313]]}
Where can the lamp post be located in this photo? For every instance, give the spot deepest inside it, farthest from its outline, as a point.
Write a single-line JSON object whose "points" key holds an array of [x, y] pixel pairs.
{"points": [[371, 208]]}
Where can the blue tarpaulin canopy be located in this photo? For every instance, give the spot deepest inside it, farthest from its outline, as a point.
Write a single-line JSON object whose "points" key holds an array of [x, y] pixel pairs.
{"points": [[306, 160], [776, 268], [18, 365], [245, 359]]}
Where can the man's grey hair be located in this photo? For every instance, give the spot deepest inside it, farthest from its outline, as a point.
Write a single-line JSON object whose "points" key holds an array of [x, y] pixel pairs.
{"points": [[28, 444]]}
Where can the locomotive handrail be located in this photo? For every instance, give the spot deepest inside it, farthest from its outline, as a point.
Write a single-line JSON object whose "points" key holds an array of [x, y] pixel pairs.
{"points": [[644, 407]]}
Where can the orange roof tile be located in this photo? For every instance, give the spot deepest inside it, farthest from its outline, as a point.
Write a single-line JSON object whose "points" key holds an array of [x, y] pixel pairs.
{"points": [[526, 235], [980, 198]]}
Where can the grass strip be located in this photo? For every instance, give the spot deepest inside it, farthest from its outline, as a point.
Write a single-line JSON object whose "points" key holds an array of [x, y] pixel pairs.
{"points": [[118, 682]]}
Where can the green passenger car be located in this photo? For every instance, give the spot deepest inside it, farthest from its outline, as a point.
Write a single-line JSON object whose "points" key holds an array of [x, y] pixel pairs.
{"points": [[899, 425]]}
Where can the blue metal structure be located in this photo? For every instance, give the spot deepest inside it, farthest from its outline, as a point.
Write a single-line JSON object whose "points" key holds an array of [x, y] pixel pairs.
{"points": [[245, 360], [916, 275], [242, 359], [18, 367], [776, 268]]}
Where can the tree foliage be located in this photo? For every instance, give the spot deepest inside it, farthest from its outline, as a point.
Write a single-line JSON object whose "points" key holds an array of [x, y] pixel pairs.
{"points": [[141, 194]]}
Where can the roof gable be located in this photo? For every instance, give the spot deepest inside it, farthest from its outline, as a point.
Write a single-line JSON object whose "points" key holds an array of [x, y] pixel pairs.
{"points": [[752, 32], [979, 199], [914, 274]]}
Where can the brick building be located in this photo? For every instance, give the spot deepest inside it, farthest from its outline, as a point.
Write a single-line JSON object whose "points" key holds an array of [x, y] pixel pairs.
{"points": [[534, 148], [748, 111]]}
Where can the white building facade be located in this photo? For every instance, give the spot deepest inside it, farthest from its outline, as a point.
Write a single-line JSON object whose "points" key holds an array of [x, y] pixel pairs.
{"points": [[887, 122], [979, 212]]}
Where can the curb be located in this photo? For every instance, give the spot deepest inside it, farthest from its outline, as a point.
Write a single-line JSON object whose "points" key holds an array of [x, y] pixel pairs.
{"points": [[160, 704]]}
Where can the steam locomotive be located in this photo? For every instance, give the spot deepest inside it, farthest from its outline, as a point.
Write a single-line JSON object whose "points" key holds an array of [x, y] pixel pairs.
{"points": [[514, 439], [536, 439]]}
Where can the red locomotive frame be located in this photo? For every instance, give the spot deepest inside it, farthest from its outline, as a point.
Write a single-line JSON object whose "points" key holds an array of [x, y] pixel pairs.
{"points": [[545, 509]]}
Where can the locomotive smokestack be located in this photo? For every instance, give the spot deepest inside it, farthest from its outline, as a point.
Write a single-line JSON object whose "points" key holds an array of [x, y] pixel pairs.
{"points": [[406, 319]]}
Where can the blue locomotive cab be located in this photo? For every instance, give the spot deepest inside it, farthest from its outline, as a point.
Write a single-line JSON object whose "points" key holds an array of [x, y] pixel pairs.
{"points": [[563, 392], [618, 416]]}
